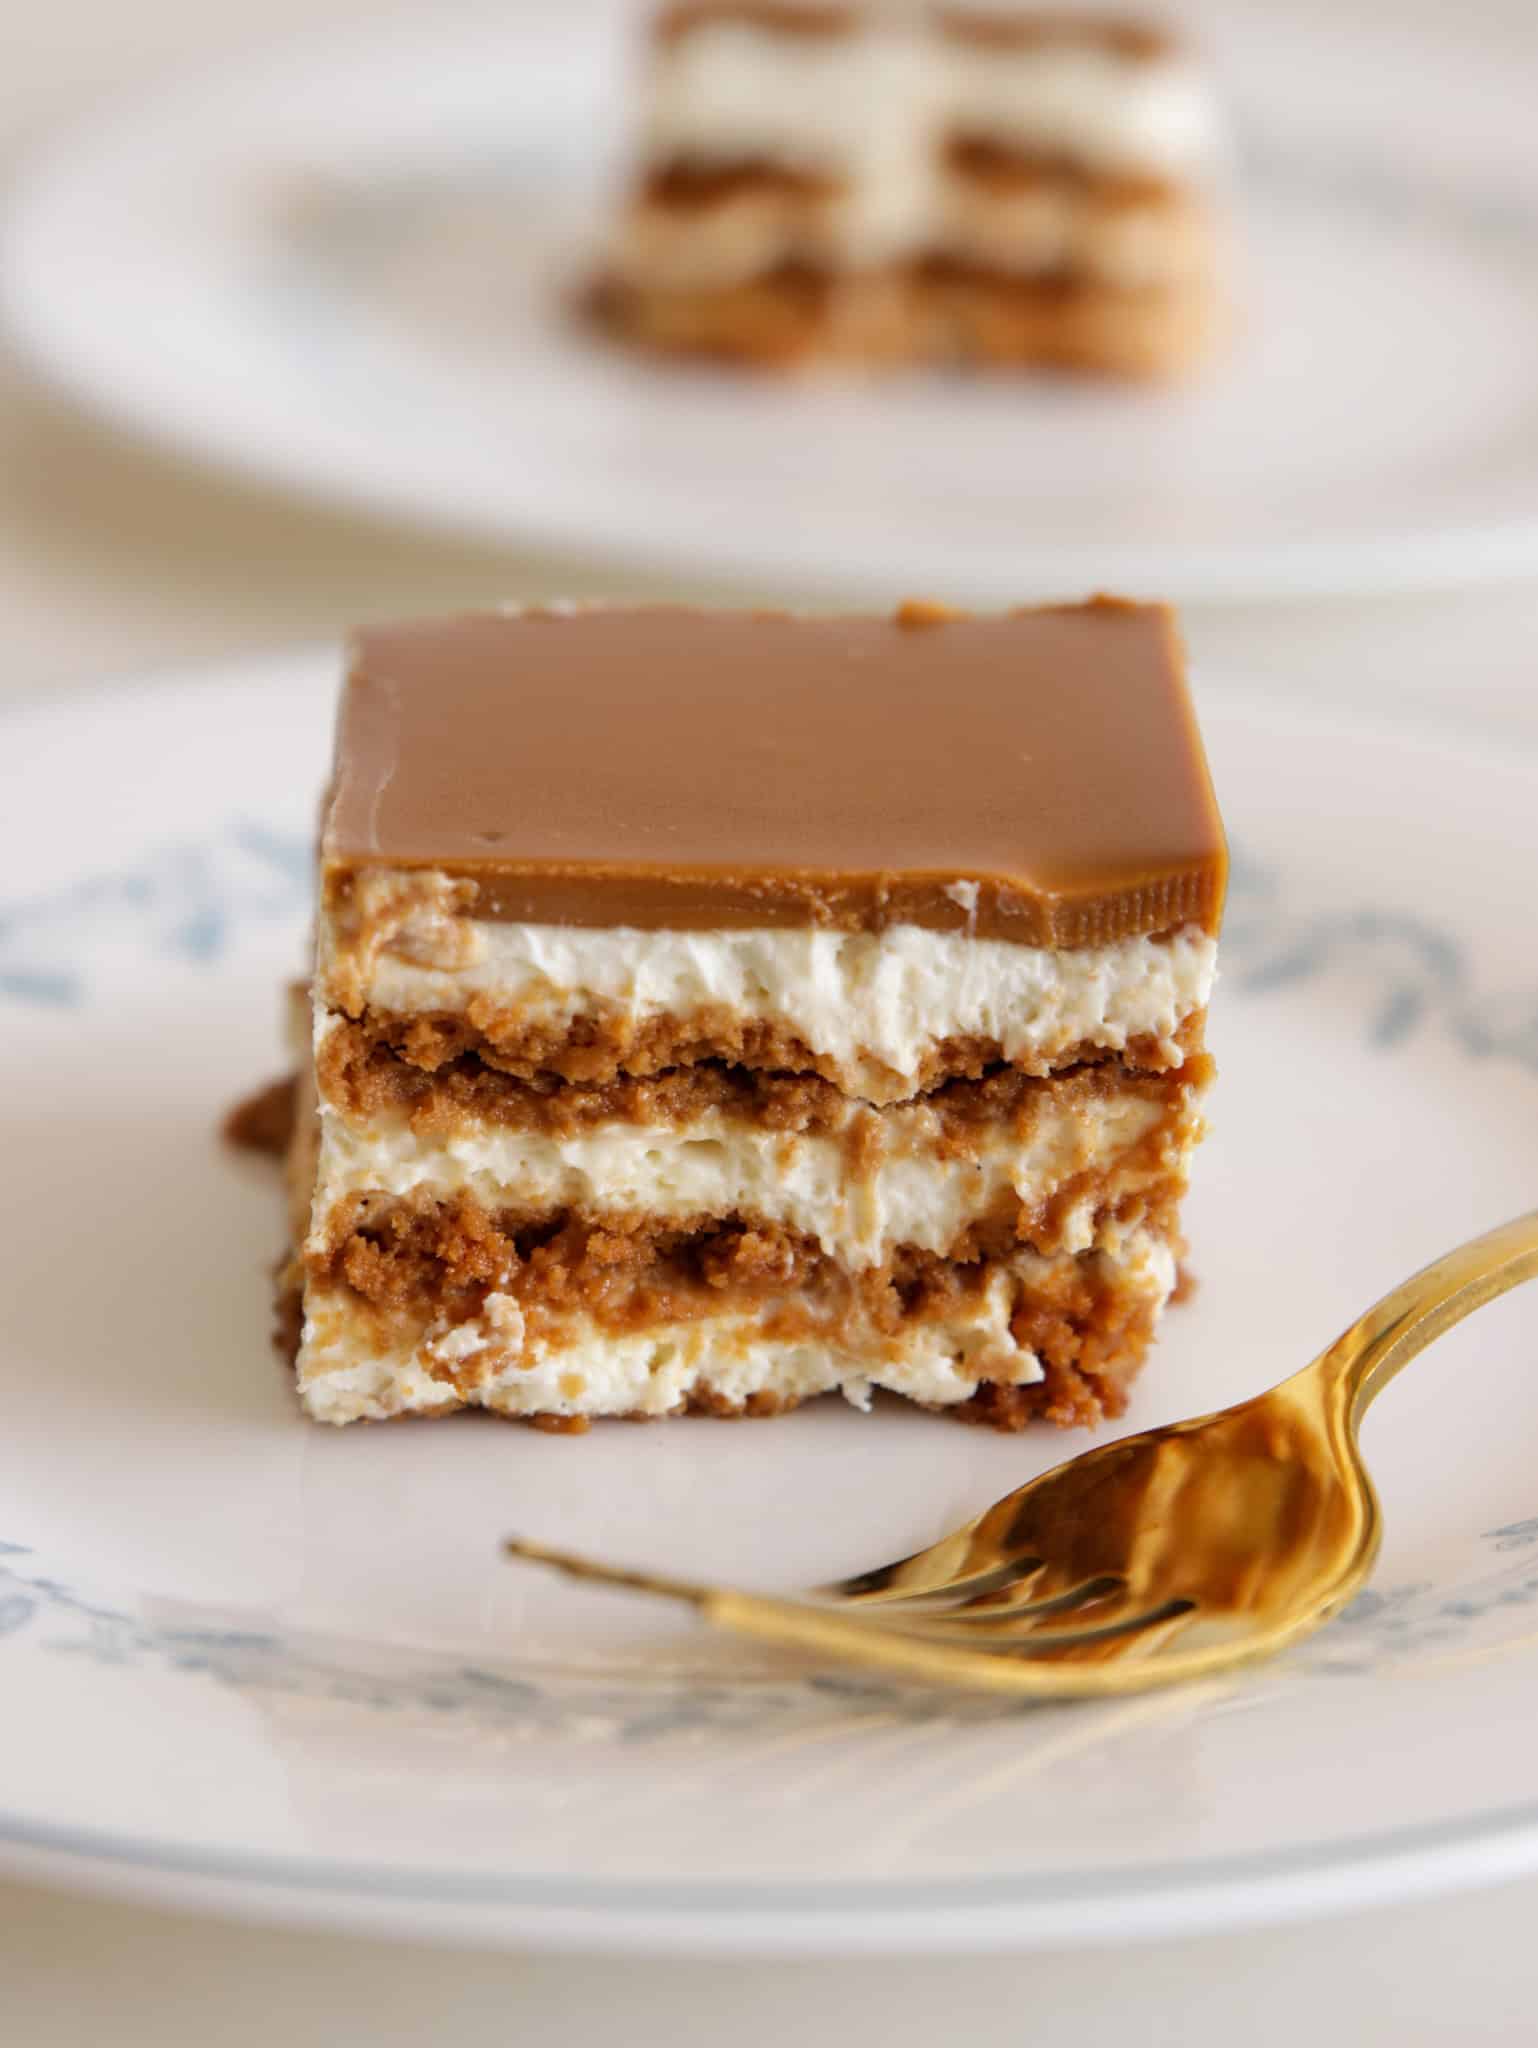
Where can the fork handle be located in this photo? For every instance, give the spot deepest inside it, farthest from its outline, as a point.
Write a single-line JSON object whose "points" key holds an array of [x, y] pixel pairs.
{"points": [[1382, 1342]]}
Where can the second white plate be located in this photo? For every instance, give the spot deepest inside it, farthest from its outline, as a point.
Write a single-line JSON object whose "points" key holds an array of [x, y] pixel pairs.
{"points": [[343, 271]]}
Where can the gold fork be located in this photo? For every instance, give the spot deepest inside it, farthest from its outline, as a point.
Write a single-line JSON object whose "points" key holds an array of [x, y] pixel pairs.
{"points": [[1170, 1555]]}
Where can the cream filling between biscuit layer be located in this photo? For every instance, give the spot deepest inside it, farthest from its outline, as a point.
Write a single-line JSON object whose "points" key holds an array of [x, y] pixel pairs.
{"points": [[875, 1005], [1046, 231], [875, 104], [491, 1361], [874, 112], [909, 1193]]}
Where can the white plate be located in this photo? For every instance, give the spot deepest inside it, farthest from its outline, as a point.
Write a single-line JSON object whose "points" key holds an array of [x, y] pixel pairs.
{"points": [[266, 1668], [343, 270]]}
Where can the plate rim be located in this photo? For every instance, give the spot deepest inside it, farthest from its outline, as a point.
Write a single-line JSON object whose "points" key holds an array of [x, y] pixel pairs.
{"points": [[83, 360], [1161, 1902]]}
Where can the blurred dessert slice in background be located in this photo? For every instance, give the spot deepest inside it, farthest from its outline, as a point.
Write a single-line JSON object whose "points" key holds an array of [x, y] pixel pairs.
{"points": [[955, 185]]}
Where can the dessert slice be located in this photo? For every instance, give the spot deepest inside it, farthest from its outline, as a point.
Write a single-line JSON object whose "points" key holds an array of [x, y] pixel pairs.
{"points": [[713, 1010], [1000, 186]]}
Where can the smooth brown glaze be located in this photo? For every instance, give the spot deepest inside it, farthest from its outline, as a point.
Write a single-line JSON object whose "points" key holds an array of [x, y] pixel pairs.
{"points": [[1035, 777]]}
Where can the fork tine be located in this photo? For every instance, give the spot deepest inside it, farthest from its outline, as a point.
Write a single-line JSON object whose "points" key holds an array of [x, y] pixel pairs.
{"points": [[1037, 1667], [1160, 1633], [990, 1553], [1139, 1634], [926, 1575], [1125, 1629], [1004, 1616], [981, 1610], [1087, 1612]]}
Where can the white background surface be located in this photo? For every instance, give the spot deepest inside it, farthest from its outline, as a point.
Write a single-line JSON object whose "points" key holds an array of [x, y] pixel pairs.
{"points": [[76, 1972], [113, 561]]}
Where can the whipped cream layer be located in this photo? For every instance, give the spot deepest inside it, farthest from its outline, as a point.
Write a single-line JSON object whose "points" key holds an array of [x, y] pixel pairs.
{"points": [[873, 1007], [906, 1191], [1098, 106], [491, 1360], [875, 104], [839, 106]]}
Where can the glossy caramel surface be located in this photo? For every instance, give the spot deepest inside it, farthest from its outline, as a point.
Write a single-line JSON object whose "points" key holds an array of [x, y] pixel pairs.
{"points": [[1036, 776]]}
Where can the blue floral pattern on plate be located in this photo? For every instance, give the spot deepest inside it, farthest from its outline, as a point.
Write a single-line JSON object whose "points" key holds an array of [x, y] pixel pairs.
{"points": [[190, 901]]}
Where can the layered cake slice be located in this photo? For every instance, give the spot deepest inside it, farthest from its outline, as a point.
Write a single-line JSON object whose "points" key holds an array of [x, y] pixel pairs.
{"points": [[993, 185], [714, 1010]]}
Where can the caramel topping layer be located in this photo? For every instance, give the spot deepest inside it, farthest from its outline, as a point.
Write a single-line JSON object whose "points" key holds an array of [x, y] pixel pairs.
{"points": [[1035, 777]]}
